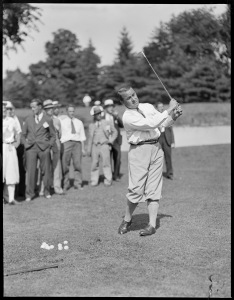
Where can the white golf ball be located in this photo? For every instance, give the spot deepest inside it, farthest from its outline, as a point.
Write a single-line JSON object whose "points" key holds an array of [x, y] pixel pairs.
{"points": [[65, 242], [51, 246], [66, 247], [60, 247], [47, 247]]}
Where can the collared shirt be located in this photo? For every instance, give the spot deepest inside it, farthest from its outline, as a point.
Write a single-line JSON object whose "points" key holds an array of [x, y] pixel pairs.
{"points": [[109, 118], [9, 128], [39, 117], [140, 129], [66, 130]]}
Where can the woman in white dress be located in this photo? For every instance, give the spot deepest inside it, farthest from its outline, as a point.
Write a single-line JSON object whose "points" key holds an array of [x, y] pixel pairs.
{"points": [[11, 140]]}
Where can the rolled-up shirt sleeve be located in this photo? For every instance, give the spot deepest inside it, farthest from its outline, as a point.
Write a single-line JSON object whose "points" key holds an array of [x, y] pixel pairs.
{"points": [[168, 122], [137, 122]]}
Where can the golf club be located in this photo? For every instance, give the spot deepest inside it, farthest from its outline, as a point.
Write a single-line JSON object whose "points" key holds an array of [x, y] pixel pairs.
{"points": [[156, 74]]}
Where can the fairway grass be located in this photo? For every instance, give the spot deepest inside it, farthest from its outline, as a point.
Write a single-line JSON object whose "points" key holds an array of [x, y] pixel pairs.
{"points": [[191, 243]]}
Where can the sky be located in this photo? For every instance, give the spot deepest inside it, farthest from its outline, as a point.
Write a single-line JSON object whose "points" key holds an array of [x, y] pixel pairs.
{"points": [[100, 23]]}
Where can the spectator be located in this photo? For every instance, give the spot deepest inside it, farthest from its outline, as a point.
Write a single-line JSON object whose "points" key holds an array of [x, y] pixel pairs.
{"points": [[167, 142], [72, 139], [58, 167], [38, 136], [111, 115], [101, 136], [11, 140]]}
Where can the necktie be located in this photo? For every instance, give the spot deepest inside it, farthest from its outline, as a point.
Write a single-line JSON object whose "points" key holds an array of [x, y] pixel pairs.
{"points": [[73, 127], [37, 119], [141, 112]]}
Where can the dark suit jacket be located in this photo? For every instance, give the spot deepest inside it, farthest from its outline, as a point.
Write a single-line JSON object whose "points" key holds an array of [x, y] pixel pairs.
{"points": [[33, 133], [169, 135], [110, 136]]}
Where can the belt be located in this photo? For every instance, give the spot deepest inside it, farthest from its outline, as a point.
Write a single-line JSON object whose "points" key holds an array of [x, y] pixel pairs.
{"points": [[8, 143], [146, 142]]}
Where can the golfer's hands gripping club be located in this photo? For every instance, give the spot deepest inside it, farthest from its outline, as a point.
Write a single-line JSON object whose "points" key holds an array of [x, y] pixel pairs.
{"points": [[172, 105], [177, 112]]}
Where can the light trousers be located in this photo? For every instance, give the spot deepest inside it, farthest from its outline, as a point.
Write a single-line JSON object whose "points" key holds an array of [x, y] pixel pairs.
{"points": [[145, 166], [103, 151]]}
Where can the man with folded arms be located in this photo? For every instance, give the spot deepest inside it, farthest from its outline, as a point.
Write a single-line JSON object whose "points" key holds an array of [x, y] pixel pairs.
{"points": [[145, 157], [38, 137]]}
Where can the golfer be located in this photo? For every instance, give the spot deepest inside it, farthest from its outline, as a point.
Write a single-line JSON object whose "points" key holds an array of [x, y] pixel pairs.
{"points": [[145, 157]]}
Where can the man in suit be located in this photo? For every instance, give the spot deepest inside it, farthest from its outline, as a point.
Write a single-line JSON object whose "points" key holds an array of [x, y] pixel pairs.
{"points": [[167, 141], [111, 115], [38, 136], [101, 136]]}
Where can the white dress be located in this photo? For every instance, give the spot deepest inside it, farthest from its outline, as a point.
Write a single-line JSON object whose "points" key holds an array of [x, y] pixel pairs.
{"points": [[10, 160]]}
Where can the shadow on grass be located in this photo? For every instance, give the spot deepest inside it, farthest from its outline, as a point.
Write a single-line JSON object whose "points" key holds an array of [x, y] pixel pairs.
{"points": [[141, 220]]}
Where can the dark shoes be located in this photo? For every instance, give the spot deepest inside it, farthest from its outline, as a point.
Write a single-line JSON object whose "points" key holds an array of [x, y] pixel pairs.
{"points": [[66, 187], [170, 177], [124, 227], [78, 187], [148, 230]]}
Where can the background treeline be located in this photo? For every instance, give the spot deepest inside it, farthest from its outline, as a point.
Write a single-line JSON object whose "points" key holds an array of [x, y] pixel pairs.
{"points": [[191, 54]]}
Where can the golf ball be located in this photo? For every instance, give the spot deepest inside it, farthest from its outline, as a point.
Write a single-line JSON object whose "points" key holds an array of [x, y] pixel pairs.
{"points": [[65, 242], [66, 247], [51, 246], [60, 247]]}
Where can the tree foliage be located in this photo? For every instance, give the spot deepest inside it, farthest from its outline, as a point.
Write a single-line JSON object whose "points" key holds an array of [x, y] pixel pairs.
{"points": [[191, 54], [18, 20]]}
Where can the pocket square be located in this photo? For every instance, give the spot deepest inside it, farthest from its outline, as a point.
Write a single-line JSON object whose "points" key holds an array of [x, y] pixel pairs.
{"points": [[45, 125]]}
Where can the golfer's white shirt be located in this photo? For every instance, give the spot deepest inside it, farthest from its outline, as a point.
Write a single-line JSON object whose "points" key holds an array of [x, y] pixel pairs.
{"points": [[140, 129], [66, 130]]}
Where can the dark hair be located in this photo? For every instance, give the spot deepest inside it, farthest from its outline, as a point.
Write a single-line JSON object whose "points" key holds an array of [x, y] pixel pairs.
{"points": [[122, 90], [70, 105], [37, 100]]}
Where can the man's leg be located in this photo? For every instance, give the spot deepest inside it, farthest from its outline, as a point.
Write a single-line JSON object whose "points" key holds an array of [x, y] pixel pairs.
{"points": [[129, 210], [67, 150], [31, 166], [106, 164], [77, 163], [58, 172], [167, 155], [45, 162], [94, 177], [153, 211], [116, 159]]}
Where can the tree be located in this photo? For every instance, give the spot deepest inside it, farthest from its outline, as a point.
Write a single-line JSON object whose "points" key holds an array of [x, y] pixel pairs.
{"points": [[124, 51], [17, 88], [18, 20], [56, 77], [87, 72]]}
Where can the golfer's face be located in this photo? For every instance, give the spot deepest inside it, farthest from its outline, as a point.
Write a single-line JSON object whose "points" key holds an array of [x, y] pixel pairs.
{"points": [[130, 99]]}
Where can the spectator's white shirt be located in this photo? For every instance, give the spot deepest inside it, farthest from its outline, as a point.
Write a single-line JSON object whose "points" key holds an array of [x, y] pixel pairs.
{"points": [[140, 129], [9, 127], [66, 130]]}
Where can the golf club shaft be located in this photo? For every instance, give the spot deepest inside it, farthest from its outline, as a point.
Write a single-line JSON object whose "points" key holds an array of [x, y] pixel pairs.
{"points": [[156, 75]]}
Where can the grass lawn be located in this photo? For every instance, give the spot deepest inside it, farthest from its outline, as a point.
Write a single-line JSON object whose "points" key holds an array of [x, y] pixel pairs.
{"points": [[192, 241], [194, 114]]}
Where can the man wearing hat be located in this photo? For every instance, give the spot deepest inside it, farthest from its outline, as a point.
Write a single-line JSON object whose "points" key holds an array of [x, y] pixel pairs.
{"points": [[101, 136], [38, 136], [111, 115]]}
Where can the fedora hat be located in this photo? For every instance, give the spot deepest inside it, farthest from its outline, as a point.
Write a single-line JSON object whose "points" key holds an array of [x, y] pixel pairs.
{"points": [[48, 104], [96, 110], [108, 102], [97, 102], [56, 104]]}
